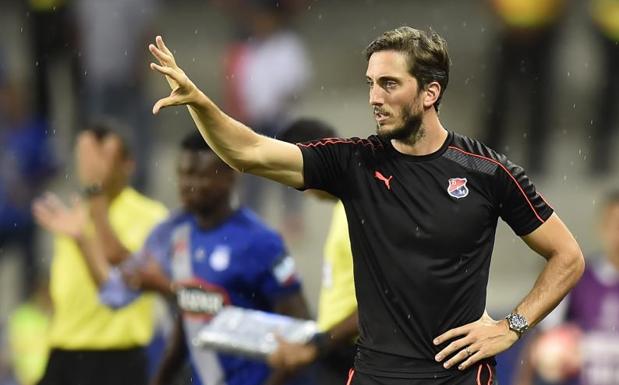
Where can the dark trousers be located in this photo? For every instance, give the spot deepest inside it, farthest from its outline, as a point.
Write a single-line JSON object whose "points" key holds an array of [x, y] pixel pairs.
{"points": [[333, 368], [604, 124], [96, 367], [52, 37], [479, 374], [523, 77]]}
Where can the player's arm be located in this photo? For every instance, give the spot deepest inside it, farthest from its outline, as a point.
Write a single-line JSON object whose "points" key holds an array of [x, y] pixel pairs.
{"points": [[292, 356], [239, 146], [486, 337], [565, 265], [293, 305], [175, 355], [341, 333]]}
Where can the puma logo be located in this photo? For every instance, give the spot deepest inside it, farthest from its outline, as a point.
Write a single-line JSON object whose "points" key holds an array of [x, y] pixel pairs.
{"points": [[381, 177]]}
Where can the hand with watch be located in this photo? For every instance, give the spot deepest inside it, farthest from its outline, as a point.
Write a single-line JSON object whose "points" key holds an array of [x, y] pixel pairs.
{"points": [[471, 343]]}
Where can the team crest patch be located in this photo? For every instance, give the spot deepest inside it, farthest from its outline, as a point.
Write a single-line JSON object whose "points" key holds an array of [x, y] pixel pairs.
{"points": [[457, 188], [220, 258]]}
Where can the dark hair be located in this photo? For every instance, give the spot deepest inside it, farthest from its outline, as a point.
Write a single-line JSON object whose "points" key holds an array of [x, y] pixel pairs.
{"points": [[427, 55], [102, 129], [194, 142], [305, 130]]}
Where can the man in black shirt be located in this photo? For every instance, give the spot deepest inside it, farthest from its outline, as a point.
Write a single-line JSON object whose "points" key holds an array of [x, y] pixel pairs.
{"points": [[422, 204]]}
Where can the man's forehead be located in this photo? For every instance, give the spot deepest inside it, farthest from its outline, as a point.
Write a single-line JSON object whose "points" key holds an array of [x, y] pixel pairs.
{"points": [[387, 63]]}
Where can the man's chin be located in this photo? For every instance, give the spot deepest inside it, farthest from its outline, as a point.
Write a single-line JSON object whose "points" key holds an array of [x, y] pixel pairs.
{"points": [[383, 129], [387, 131]]}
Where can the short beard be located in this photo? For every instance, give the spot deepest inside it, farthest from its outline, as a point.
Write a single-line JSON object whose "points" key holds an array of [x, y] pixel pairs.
{"points": [[410, 131]]}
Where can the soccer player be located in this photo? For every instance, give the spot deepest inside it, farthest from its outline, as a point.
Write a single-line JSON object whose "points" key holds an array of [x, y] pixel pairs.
{"points": [[333, 347], [91, 343], [209, 254], [422, 204]]}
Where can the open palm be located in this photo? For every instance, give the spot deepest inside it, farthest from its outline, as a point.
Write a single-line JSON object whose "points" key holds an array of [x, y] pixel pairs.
{"points": [[54, 216], [184, 92]]}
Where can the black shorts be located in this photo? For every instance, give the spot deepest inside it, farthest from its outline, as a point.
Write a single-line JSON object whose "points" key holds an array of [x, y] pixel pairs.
{"points": [[480, 374], [333, 368], [96, 367]]}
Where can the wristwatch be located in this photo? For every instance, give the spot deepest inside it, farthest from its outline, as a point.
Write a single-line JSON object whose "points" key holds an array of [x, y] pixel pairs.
{"points": [[517, 323], [92, 190]]}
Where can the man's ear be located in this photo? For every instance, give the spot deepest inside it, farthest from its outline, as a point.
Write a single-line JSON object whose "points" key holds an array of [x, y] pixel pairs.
{"points": [[432, 94]]}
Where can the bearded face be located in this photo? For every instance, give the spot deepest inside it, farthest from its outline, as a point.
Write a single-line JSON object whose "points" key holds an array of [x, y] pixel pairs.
{"points": [[395, 96], [402, 125]]}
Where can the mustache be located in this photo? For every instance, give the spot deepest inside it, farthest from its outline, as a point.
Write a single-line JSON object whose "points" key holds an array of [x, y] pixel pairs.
{"points": [[378, 110]]}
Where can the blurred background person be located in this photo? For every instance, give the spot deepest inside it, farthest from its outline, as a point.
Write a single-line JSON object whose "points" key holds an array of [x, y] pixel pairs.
{"points": [[27, 333], [208, 255], [52, 41], [27, 163], [523, 67], [112, 36], [585, 351], [90, 343], [605, 17], [334, 346], [6, 371], [267, 69]]}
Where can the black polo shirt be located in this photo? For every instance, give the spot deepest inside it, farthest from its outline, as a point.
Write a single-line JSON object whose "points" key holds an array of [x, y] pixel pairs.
{"points": [[422, 231]]}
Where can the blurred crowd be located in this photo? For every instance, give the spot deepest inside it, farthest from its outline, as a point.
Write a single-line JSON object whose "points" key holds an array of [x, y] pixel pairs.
{"points": [[266, 70]]}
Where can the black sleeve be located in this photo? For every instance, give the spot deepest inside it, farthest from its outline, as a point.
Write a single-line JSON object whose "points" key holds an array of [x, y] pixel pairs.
{"points": [[325, 164], [520, 205]]}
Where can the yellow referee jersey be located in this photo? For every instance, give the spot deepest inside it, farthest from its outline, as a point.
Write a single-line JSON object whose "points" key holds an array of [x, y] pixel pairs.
{"points": [[605, 14], [337, 294], [80, 321], [528, 13]]}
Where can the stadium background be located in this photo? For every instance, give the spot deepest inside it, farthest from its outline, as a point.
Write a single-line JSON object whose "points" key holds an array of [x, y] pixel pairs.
{"points": [[335, 33]]}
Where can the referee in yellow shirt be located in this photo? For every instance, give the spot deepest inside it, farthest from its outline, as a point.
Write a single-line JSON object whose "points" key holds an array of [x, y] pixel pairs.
{"points": [[333, 348], [91, 343]]}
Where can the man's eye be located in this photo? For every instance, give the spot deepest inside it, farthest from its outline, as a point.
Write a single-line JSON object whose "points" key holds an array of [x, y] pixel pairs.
{"points": [[391, 85]]}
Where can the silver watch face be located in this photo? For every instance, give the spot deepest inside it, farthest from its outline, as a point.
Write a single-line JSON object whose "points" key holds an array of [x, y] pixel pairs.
{"points": [[517, 322]]}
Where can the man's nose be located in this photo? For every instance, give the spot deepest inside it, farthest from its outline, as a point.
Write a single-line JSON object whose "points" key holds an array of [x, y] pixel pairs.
{"points": [[376, 96]]}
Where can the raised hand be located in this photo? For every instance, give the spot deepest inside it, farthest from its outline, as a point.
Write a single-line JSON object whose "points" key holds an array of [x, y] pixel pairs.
{"points": [[54, 216], [184, 92]]}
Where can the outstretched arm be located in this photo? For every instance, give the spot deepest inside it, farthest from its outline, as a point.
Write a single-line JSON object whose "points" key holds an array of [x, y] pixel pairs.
{"points": [[486, 337], [239, 146]]}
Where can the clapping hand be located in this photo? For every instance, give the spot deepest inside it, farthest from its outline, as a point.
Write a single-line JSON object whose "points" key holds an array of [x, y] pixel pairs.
{"points": [[53, 215]]}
